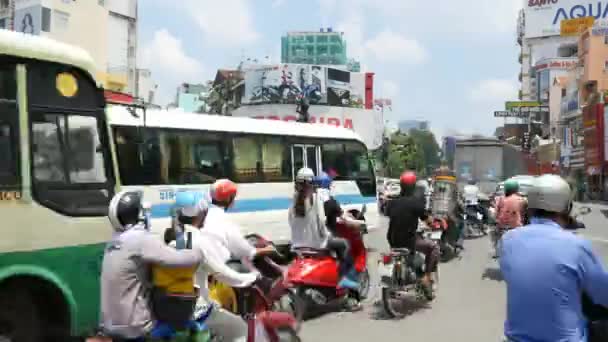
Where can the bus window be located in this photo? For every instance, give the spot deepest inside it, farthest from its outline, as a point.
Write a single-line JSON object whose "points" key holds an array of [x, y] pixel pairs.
{"points": [[127, 152], [66, 155], [247, 161], [9, 143], [192, 158], [276, 160]]}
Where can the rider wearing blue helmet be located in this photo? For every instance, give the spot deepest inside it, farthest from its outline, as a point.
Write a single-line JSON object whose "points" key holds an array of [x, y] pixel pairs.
{"points": [[333, 214]]}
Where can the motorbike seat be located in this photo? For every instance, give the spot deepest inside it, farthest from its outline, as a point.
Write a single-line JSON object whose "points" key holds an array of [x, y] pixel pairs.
{"points": [[312, 252], [400, 251]]}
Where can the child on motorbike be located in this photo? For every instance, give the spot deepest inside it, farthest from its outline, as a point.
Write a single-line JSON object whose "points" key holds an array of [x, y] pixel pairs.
{"points": [[127, 264], [308, 229], [218, 242]]}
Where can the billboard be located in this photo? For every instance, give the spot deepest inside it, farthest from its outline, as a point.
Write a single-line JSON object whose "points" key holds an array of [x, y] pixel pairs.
{"points": [[543, 17], [574, 27], [593, 124], [29, 20], [286, 83], [367, 123]]}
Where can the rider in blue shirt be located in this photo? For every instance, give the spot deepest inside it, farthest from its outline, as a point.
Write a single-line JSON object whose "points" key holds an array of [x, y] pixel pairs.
{"points": [[547, 269]]}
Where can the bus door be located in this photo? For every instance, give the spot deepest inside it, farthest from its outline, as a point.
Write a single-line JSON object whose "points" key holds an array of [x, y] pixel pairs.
{"points": [[305, 156]]}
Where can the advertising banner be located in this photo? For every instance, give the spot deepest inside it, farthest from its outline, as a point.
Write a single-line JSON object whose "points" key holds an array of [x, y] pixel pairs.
{"points": [[465, 170], [593, 124], [367, 123], [574, 27], [517, 104], [544, 17], [286, 83], [29, 20]]}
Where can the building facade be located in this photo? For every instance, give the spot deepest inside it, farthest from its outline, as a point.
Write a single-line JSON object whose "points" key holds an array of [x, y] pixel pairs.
{"points": [[325, 47], [122, 45], [192, 97], [87, 24], [408, 125]]}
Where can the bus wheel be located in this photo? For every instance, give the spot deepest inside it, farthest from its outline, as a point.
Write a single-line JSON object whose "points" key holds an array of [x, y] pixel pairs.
{"points": [[19, 318]]}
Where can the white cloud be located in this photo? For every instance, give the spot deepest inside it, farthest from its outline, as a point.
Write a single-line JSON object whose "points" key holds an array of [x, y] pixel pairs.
{"points": [[388, 89], [169, 63], [493, 91], [389, 46], [226, 23]]}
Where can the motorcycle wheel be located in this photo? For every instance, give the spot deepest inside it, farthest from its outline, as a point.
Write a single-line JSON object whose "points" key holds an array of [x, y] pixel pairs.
{"points": [[364, 284], [388, 304], [288, 335], [291, 303]]}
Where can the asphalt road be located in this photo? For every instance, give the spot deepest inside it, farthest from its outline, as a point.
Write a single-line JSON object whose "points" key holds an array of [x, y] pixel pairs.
{"points": [[469, 307]]}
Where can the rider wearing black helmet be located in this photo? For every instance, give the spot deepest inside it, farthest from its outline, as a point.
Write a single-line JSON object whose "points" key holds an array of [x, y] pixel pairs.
{"points": [[404, 214], [125, 273]]}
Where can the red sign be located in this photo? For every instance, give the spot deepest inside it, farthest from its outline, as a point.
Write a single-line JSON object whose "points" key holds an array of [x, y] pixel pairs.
{"points": [[117, 97], [593, 124], [348, 123]]}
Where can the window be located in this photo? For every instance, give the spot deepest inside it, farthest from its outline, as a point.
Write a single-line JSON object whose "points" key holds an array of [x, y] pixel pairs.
{"points": [[247, 161], [67, 149], [129, 161], [9, 140], [349, 161], [276, 160], [68, 166], [46, 19], [60, 21]]}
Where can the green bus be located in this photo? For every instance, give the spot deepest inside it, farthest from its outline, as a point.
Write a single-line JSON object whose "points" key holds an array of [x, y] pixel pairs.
{"points": [[56, 180]]}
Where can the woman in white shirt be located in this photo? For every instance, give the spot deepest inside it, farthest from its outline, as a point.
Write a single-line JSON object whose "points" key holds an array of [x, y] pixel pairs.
{"points": [[307, 222]]}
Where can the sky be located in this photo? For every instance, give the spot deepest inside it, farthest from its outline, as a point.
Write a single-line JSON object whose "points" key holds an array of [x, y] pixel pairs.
{"points": [[452, 62]]}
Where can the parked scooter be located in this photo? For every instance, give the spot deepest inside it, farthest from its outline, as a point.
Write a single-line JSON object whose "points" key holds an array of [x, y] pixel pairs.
{"points": [[314, 273], [401, 273]]}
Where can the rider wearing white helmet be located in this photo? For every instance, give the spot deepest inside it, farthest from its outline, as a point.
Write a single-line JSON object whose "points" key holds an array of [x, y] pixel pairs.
{"points": [[547, 268], [308, 230], [125, 272]]}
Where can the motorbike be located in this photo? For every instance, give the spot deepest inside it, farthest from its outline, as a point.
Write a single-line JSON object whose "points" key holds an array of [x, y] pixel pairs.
{"points": [[401, 271], [473, 223], [314, 273], [438, 233], [312, 92], [272, 267]]}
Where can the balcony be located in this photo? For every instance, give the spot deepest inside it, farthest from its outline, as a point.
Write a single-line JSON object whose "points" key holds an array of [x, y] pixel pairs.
{"points": [[520, 58], [520, 77]]}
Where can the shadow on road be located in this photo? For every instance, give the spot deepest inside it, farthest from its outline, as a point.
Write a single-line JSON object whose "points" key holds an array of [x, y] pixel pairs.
{"points": [[408, 307], [492, 273]]}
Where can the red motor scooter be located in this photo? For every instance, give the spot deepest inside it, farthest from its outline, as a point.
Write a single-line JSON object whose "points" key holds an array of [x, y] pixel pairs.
{"points": [[314, 273]]}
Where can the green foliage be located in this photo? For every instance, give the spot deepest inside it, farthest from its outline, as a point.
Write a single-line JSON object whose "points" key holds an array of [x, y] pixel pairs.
{"points": [[417, 151]]}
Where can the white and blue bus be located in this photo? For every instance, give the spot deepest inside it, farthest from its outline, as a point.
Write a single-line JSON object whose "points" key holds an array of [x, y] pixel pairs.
{"points": [[161, 152]]}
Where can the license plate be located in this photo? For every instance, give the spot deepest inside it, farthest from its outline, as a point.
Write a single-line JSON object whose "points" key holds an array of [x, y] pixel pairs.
{"points": [[436, 235]]}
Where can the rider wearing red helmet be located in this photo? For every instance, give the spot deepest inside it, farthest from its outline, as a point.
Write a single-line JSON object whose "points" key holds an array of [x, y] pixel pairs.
{"points": [[404, 214]]}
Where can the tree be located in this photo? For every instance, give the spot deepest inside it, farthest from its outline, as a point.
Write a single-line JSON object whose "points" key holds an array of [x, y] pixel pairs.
{"points": [[430, 149], [403, 154]]}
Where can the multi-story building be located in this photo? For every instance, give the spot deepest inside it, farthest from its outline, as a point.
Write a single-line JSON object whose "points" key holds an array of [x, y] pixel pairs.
{"points": [[408, 125], [145, 88], [192, 97], [325, 47], [93, 25], [122, 44]]}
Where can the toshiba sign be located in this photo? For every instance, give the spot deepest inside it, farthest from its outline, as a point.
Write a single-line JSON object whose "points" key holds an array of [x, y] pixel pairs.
{"points": [[367, 123]]}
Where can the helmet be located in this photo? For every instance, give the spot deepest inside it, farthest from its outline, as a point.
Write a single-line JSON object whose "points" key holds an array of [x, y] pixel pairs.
{"points": [[511, 186], [125, 210], [305, 175], [550, 193], [323, 180], [223, 191], [190, 203], [408, 178]]}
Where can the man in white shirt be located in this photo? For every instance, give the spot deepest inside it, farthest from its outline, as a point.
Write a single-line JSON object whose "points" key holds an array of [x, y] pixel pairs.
{"points": [[471, 194], [220, 241]]}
